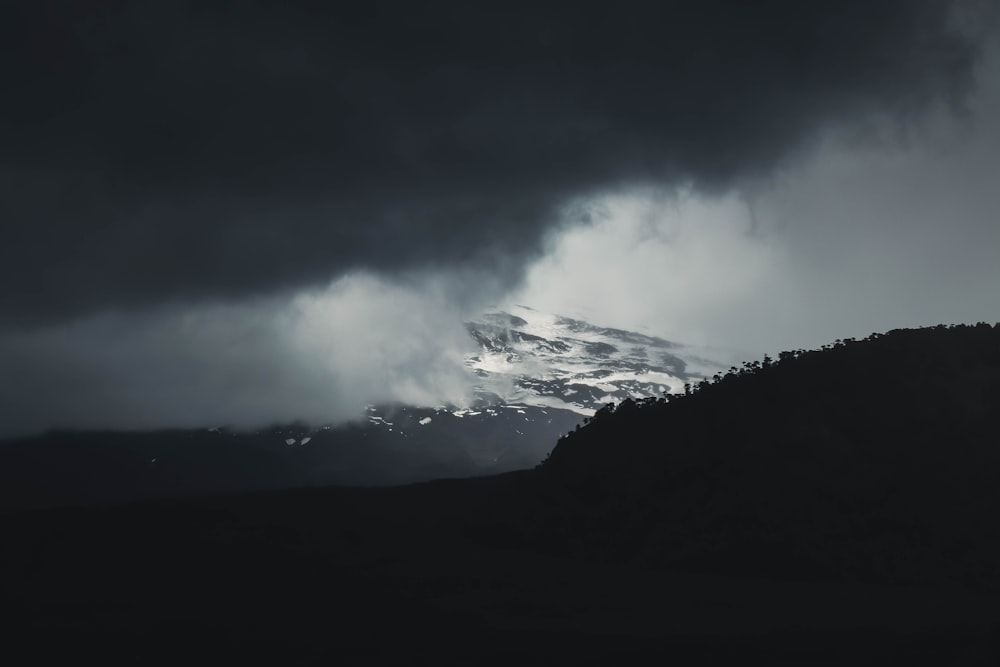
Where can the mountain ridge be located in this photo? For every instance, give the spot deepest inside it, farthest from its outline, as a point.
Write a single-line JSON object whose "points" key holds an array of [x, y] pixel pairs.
{"points": [[556, 361], [800, 469]]}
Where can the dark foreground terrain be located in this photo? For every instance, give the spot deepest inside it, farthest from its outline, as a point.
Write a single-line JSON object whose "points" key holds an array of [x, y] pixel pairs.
{"points": [[779, 514], [401, 576], [394, 445]]}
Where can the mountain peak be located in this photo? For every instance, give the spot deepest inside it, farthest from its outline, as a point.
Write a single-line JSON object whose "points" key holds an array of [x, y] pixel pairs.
{"points": [[543, 359]]}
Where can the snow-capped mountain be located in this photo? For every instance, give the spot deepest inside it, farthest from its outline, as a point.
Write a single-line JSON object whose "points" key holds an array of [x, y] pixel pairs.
{"points": [[538, 359], [536, 375]]}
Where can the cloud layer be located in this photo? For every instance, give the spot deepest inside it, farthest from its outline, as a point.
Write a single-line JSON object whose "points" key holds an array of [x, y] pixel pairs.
{"points": [[867, 233], [163, 152], [319, 356], [220, 212]]}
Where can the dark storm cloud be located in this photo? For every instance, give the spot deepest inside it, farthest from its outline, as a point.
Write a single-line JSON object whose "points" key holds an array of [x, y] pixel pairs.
{"points": [[174, 151]]}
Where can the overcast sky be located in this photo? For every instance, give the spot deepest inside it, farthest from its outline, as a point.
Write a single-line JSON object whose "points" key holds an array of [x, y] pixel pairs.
{"points": [[243, 212]]}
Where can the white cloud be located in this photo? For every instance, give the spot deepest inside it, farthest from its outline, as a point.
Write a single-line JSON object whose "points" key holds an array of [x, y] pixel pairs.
{"points": [[319, 356], [898, 227], [672, 264]]}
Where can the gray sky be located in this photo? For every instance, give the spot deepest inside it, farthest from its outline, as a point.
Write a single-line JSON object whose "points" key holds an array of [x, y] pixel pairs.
{"points": [[222, 212], [896, 227]]}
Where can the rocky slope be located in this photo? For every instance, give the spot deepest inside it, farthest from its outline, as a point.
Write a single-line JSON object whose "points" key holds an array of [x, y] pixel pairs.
{"points": [[548, 360]]}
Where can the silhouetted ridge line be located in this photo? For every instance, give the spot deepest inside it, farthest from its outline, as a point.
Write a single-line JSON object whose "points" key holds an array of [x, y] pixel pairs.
{"points": [[871, 459]]}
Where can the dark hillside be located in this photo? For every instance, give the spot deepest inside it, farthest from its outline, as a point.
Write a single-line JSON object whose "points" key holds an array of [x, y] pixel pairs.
{"points": [[875, 459], [835, 507]]}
